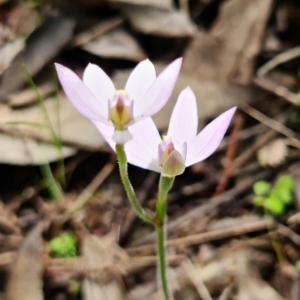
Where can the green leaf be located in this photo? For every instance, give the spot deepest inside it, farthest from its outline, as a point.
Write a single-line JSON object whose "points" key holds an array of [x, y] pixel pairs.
{"points": [[262, 188], [283, 189], [64, 245], [283, 195], [286, 182], [258, 201], [275, 206]]}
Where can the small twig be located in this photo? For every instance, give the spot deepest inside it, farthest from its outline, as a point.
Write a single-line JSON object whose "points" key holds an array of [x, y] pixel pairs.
{"points": [[195, 277], [97, 30], [294, 237], [205, 237], [278, 90], [87, 193], [273, 124], [248, 153], [220, 234], [277, 60], [230, 155], [268, 85], [227, 292]]}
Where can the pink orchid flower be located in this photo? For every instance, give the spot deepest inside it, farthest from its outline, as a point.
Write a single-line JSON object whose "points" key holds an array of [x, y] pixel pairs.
{"points": [[181, 147], [96, 97]]}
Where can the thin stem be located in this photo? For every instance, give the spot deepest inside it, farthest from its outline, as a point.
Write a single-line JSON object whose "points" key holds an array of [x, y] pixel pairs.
{"points": [[122, 159], [275, 240], [165, 185], [161, 251]]}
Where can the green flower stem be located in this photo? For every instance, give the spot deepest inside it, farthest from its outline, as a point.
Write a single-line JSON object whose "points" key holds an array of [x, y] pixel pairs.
{"points": [[165, 185], [274, 239], [122, 159]]}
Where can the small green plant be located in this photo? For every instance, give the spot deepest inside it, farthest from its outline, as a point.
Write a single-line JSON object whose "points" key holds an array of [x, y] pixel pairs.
{"points": [[274, 199], [64, 245]]}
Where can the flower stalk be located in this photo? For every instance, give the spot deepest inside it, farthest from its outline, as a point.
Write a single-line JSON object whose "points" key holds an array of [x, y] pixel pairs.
{"points": [[165, 185], [122, 159]]}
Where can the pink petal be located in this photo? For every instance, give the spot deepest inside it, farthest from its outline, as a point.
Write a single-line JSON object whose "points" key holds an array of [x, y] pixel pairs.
{"points": [[142, 150], [107, 132], [80, 95], [159, 92], [100, 84], [140, 80], [184, 119], [208, 140]]}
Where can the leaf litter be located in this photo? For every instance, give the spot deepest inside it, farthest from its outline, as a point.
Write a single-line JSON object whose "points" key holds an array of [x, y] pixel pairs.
{"points": [[221, 246]]}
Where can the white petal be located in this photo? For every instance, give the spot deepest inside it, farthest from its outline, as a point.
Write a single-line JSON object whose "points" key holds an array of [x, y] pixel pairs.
{"points": [[159, 92], [184, 119], [80, 95], [140, 80], [142, 150], [122, 136], [100, 84], [208, 140]]}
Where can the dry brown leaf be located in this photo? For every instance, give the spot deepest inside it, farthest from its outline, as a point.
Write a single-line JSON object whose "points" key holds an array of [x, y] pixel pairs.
{"points": [[239, 32], [8, 51], [250, 284], [212, 60], [104, 257], [25, 281], [27, 151], [116, 43], [37, 53], [75, 129], [155, 21], [273, 153]]}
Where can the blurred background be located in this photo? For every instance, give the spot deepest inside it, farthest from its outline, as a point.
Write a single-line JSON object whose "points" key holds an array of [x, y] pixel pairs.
{"points": [[66, 228]]}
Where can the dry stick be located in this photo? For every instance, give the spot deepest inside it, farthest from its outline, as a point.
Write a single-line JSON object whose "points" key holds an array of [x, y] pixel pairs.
{"points": [[248, 154], [205, 237], [287, 232], [230, 155], [277, 60], [227, 292], [276, 89], [208, 207], [195, 277], [220, 234], [273, 124], [132, 265], [94, 32], [264, 139], [268, 85], [87, 193]]}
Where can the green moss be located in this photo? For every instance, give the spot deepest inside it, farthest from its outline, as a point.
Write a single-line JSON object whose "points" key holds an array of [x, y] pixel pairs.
{"points": [[64, 245]]}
